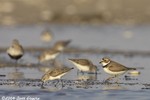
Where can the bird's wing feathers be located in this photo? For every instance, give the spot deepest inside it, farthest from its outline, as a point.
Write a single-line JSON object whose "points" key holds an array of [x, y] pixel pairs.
{"points": [[114, 66], [82, 62], [58, 71]]}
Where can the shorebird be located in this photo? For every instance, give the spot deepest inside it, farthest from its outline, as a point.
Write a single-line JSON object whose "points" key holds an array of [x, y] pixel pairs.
{"points": [[46, 36], [84, 65], [15, 51], [114, 68], [61, 45], [48, 55], [54, 74]]}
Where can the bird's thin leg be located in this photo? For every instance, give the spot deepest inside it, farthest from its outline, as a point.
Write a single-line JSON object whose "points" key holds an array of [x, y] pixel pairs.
{"points": [[56, 83], [62, 83], [77, 72], [96, 75], [82, 72], [38, 62], [117, 79], [16, 62], [96, 72], [51, 62], [109, 78], [42, 85]]}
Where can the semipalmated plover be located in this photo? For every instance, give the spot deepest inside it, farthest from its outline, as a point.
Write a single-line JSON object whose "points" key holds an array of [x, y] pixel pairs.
{"points": [[48, 55], [84, 65], [114, 68], [56, 73], [15, 51], [46, 36], [61, 45]]}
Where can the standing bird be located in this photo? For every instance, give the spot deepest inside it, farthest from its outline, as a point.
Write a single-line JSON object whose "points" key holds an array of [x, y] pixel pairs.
{"points": [[46, 36], [114, 68], [15, 51], [61, 45], [54, 74], [48, 55], [84, 65]]}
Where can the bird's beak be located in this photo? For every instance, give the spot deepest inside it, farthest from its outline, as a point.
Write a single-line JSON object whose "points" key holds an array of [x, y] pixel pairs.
{"points": [[101, 61]]}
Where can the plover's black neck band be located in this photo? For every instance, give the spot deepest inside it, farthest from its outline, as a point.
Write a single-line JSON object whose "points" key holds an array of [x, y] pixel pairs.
{"points": [[104, 66]]}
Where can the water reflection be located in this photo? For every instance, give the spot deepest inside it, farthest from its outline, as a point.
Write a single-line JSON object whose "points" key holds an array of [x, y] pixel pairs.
{"points": [[113, 87], [51, 89], [16, 75], [86, 76], [44, 69]]}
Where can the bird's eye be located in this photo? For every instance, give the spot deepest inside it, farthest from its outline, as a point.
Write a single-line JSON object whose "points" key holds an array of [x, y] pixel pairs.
{"points": [[106, 60]]}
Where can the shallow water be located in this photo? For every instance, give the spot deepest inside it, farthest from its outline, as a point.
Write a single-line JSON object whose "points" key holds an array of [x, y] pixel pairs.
{"points": [[24, 81]]}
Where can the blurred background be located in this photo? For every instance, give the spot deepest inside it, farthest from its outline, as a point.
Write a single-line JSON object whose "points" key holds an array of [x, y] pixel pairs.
{"points": [[14, 12]]}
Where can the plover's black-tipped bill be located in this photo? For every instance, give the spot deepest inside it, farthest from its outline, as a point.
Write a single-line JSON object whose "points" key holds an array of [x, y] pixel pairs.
{"points": [[70, 59], [68, 41], [72, 68], [101, 61]]}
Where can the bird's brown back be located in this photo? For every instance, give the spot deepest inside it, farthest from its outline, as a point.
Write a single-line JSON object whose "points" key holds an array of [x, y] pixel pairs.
{"points": [[57, 71], [115, 66]]}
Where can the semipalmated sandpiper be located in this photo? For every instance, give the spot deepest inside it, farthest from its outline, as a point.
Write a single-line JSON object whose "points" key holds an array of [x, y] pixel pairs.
{"points": [[56, 73], [48, 55], [84, 65], [61, 45]]}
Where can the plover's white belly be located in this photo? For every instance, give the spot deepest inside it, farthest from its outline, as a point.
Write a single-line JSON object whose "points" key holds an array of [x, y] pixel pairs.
{"points": [[81, 67], [14, 52], [113, 73]]}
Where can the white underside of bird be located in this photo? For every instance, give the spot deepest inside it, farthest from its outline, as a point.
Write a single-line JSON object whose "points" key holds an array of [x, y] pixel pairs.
{"points": [[60, 48], [14, 52], [113, 73], [57, 77], [50, 57], [81, 67]]}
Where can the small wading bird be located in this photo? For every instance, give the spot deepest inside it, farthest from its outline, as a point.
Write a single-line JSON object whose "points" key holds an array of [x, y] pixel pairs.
{"points": [[15, 51], [48, 55], [61, 45], [84, 65], [114, 68], [52, 53], [54, 74], [46, 36]]}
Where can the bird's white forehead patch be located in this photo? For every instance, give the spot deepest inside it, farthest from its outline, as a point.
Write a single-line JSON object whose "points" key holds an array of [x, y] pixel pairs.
{"points": [[105, 63]]}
